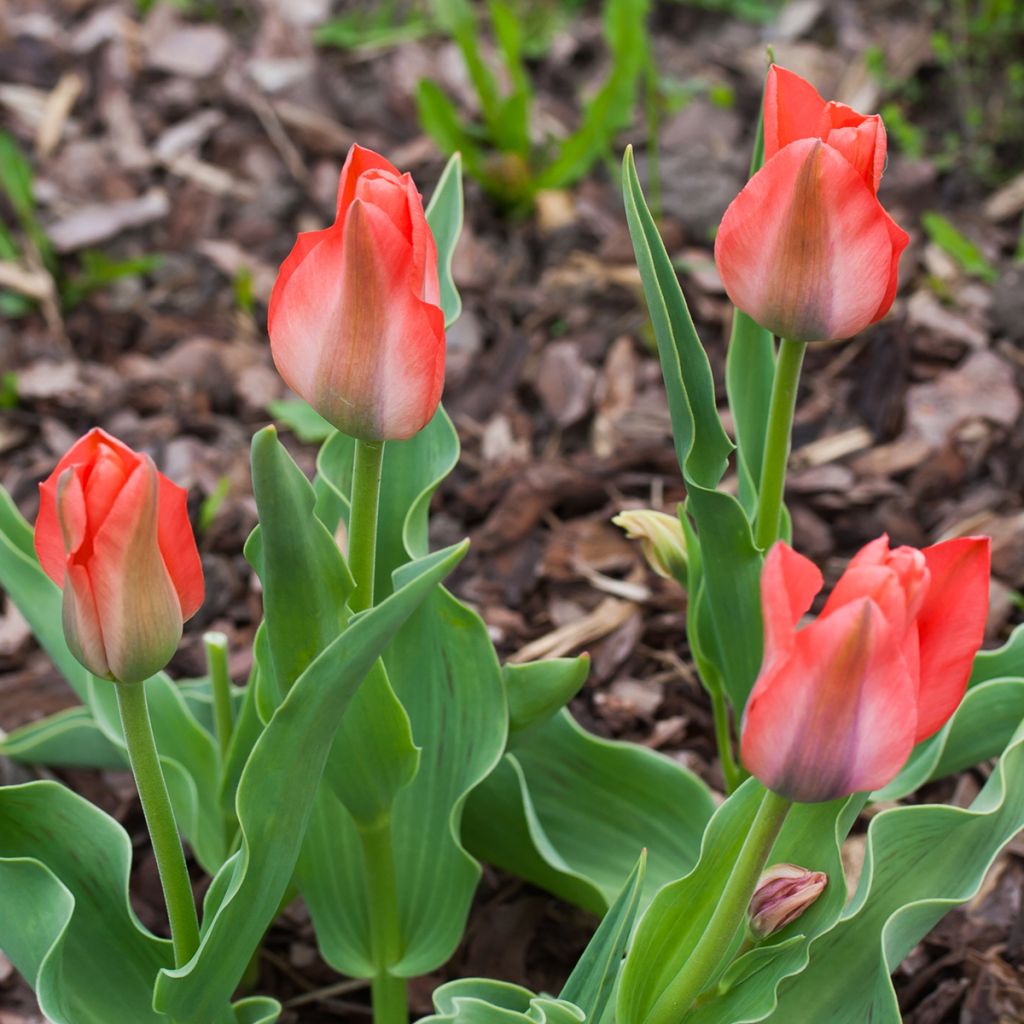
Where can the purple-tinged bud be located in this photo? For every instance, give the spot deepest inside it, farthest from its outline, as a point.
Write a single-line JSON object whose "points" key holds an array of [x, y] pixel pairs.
{"points": [[784, 892]]}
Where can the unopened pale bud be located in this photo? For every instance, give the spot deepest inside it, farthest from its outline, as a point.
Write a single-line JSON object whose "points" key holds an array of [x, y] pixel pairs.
{"points": [[784, 892], [662, 539]]}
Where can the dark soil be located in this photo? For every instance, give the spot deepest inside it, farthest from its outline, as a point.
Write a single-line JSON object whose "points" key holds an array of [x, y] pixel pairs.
{"points": [[210, 136]]}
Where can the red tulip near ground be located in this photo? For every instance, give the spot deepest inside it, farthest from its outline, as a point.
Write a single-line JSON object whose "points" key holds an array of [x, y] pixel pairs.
{"points": [[806, 249], [114, 534], [355, 323], [840, 703]]}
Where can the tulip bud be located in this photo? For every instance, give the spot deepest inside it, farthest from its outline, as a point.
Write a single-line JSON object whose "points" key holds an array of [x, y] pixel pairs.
{"points": [[784, 892], [355, 321], [662, 540], [806, 249], [114, 534]]}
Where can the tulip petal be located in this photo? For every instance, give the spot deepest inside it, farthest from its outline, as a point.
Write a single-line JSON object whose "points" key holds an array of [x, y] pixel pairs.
{"points": [[82, 629], [135, 598], [48, 543], [951, 626], [105, 477], [789, 584], [898, 239], [860, 139], [352, 337], [805, 247], [178, 547], [358, 161], [793, 109], [838, 715]]}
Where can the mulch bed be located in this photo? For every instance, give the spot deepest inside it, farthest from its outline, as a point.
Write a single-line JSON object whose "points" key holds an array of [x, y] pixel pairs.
{"points": [[210, 140]]}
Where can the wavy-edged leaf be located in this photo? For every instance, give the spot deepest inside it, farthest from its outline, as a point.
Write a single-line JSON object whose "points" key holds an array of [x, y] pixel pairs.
{"points": [[67, 738], [444, 215], [678, 916], [570, 812], [275, 798], [482, 1001], [66, 922], [919, 863], [592, 981], [731, 561], [443, 667]]}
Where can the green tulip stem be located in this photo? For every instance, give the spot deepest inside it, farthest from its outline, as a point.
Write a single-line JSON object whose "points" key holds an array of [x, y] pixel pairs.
{"points": [[216, 645], [776, 444], [390, 998], [731, 771], [362, 524], [163, 831], [709, 955]]}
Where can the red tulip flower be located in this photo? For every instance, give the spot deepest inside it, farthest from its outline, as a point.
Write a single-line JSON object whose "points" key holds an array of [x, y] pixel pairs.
{"points": [[806, 248], [840, 703], [114, 534], [355, 323]]}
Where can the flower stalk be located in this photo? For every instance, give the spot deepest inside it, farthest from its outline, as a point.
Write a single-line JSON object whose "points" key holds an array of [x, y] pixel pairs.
{"points": [[163, 831]]}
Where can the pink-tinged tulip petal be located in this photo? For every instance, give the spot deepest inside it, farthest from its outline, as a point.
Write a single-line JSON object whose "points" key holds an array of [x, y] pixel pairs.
{"points": [[805, 248], [838, 715], [81, 621], [135, 599], [898, 239], [789, 584], [367, 354], [952, 626], [178, 547], [357, 163], [355, 322], [793, 109], [114, 534], [862, 141]]}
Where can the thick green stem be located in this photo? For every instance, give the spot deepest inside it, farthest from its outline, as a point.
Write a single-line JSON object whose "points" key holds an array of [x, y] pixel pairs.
{"points": [[723, 736], [776, 444], [390, 998], [362, 524], [713, 946], [216, 645], [163, 832]]}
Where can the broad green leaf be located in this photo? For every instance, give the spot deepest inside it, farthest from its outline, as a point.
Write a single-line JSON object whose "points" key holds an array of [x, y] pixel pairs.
{"points": [[1004, 661], [275, 798], [731, 561], [69, 737], [66, 922], [749, 374], [677, 917], [306, 582], [592, 981], [443, 667], [570, 812], [444, 215], [919, 862], [538, 690], [482, 1001]]}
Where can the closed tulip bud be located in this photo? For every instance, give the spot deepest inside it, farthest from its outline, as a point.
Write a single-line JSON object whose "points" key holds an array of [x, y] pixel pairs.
{"points": [[784, 892], [662, 540], [806, 249], [355, 323], [114, 534], [840, 703]]}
